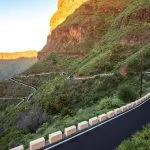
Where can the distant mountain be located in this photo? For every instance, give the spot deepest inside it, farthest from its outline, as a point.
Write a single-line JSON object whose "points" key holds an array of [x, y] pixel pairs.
{"points": [[16, 55], [14, 63]]}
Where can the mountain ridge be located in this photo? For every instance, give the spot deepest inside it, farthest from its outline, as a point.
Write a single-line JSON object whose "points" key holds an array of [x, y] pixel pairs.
{"points": [[16, 55]]}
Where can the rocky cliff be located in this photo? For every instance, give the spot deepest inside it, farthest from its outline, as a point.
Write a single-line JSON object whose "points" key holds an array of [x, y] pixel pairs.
{"points": [[79, 24], [65, 8]]}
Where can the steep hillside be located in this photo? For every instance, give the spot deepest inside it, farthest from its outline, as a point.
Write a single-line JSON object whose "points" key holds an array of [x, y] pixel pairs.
{"points": [[85, 21], [98, 37]]}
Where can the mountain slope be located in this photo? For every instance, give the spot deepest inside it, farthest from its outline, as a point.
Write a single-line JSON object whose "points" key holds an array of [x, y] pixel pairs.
{"points": [[90, 20], [116, 41]]}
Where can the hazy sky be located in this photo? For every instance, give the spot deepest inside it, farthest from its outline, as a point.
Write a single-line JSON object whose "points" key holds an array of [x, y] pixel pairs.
{"points": [[24, 24]]}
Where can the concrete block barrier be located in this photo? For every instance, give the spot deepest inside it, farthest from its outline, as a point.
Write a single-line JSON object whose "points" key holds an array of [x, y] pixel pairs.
{"points": [[102, 117], [110, 114], [37, 144], [129, 106], [93, 121], [55, 137], [18, 148], [118, 111], [70, 130], [148, 95], [134, 104], [138, 102], [83, 125], [123, 108]]}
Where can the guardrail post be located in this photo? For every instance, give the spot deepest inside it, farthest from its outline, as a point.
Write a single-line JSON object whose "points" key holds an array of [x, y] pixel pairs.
{"points": [[55, 137], [102, 117], [18, 148], [93, 121], [110, 114], [83, 125], [37, 144], [70, 130]]}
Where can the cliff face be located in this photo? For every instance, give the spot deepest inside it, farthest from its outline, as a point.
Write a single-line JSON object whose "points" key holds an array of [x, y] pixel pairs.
{"points": [[16, 55], [65, 8], [79, 24]]}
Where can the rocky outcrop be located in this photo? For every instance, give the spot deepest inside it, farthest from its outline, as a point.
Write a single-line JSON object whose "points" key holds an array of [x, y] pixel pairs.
{"points": [[79, 24], [16, 55], [65, 9]]}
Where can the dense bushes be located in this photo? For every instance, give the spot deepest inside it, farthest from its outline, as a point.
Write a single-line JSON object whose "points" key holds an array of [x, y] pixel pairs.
{"points": [[31, 120], [73, 95], [139, 141], [127, 93]]}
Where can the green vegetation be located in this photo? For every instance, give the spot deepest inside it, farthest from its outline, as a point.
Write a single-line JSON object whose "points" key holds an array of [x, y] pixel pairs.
{"points": [[60, 102], [10, 89], [139, 141], [53, 63], [127, 93]]}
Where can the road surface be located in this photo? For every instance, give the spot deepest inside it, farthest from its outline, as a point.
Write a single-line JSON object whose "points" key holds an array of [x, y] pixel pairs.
{"points": [[109, 134]]}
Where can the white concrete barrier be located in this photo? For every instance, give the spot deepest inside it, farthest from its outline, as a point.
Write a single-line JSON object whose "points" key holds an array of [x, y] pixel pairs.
{"points": [[83, 125], [123, 108], [118, 111], [148, 95], [110, 114], [70, 130], [102, 117], [129, 106], [18, 148], [37, 144], [55, 137], [134, 104], [138, 102], [93, 121]]}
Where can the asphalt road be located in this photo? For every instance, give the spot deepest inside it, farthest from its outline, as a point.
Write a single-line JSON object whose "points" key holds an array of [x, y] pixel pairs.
{"points": [[109, 134]]}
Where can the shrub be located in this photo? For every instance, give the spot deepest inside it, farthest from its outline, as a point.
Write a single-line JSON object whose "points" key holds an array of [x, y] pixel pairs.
{"points": [[139, 141], [106, 103], [31, 120], [126, 93]]}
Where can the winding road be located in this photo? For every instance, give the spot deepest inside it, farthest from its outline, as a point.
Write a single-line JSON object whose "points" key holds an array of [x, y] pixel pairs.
{"points": [[22, 99], [21, 83], [109, 134]]}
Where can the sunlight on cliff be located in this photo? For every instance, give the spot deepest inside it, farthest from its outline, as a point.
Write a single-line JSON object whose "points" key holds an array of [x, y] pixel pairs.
{"points": [[16, 55], [65, 9]]}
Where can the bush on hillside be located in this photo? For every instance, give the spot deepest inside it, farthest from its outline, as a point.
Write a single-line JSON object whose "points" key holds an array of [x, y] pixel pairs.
{"points": [[139, 141], [106, 103], [31, 120], [126, 93]]}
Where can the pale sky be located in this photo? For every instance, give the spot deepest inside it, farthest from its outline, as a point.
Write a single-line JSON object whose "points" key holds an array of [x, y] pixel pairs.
{"points": [[24, 24]]}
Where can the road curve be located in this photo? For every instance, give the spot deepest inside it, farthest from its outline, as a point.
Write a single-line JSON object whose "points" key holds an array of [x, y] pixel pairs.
{"points": [[31, 87], [109, 134]]}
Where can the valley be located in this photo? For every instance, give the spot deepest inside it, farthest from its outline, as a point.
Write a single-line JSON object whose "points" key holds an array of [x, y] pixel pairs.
{"points": [[12, 64], [93, 62]]}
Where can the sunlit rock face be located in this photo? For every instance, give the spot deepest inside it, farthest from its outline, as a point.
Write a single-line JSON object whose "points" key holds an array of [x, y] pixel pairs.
{"points": [[65, 8], [79, 24]]}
